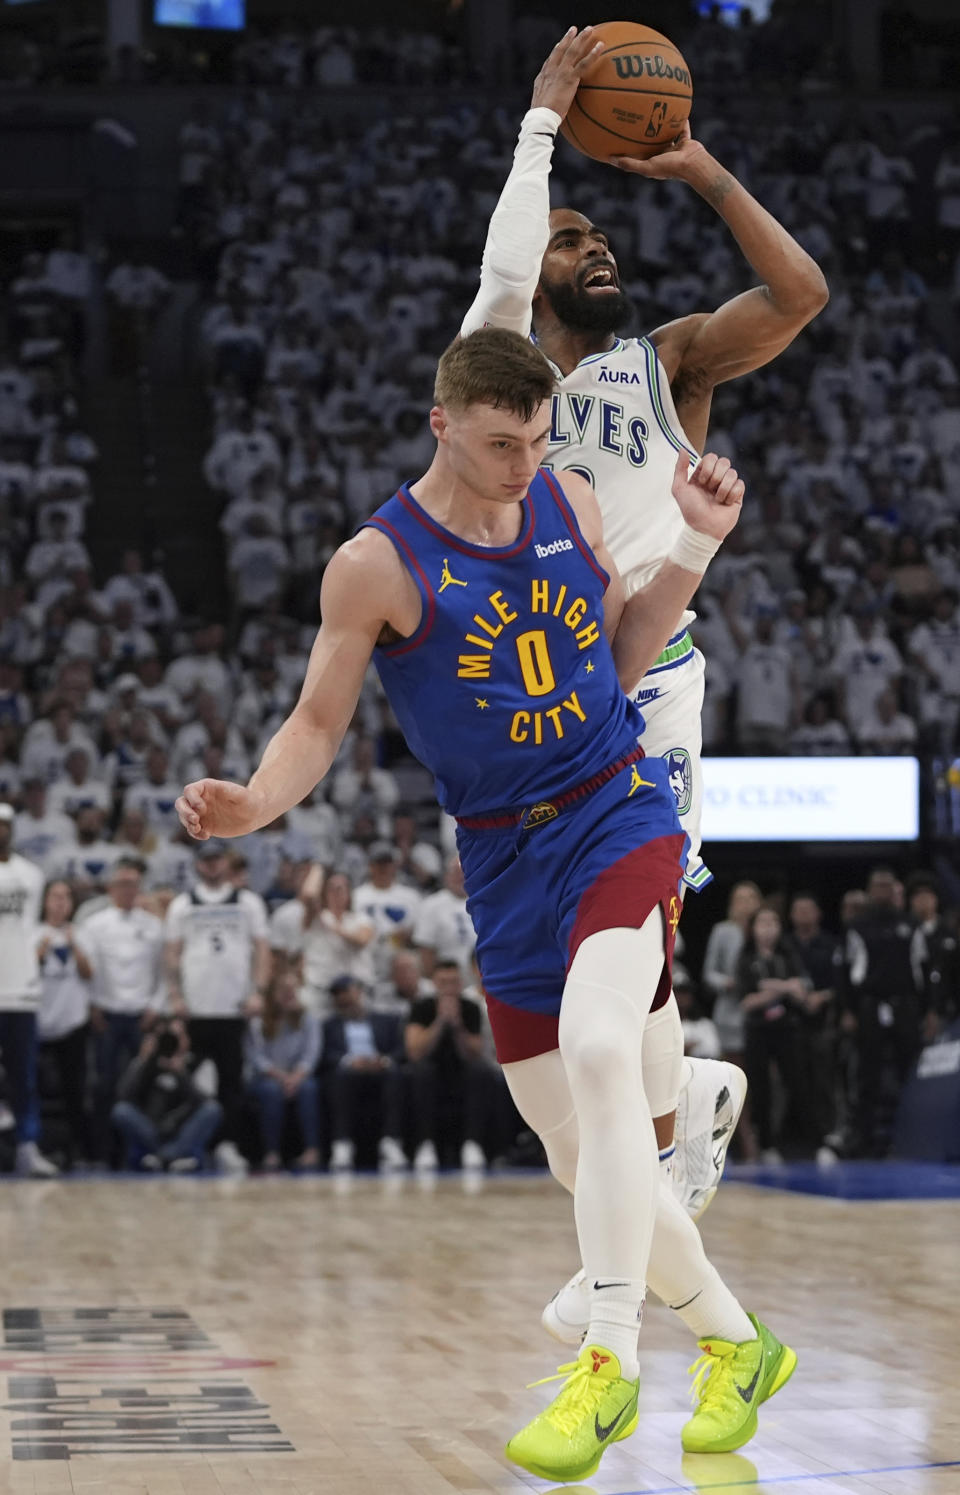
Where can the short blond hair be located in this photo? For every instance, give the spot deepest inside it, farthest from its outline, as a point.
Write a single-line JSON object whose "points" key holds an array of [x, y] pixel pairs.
{"points": [[494, 367]]}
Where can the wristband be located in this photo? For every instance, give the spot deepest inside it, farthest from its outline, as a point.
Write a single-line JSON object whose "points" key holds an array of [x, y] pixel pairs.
{"points": [[692, 550], [541, 118]]}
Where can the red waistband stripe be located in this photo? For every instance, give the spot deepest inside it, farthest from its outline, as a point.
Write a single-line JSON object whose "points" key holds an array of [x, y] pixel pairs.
{"points": [[503, 820]]}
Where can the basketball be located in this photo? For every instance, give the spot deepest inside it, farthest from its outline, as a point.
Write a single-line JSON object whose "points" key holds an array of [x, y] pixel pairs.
{"points": [[633, 100]]}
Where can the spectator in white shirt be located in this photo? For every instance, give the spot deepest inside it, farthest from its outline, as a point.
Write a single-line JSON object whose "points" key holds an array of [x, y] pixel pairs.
{"points": [[138, 288], [89, 863], [218, 964], [156, 794], [238, 455], [63, 1020], [320, 929], [39, 835], [77, 787], [133, 836], [172, 866], [886, 729], [129, 641], [263, 703], [57, 554], [126, 763], [148, 593], [258, 565], [865, 664], [68, 270], [391, 907], [764, 682], [203, 669], [21, 891], [153, 694], [363, 787], [443, 930], [50, 739], [318, 821], [125, 946], [820, 734]]}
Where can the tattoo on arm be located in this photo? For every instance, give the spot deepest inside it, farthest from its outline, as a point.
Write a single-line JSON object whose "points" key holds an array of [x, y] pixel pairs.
{"points": [[719, 188], [690, 384]]}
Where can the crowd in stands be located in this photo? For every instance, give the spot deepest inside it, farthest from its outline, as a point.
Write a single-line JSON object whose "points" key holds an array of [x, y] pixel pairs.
{"points": [[337, 261], [826, 1023], [172, 1024]]}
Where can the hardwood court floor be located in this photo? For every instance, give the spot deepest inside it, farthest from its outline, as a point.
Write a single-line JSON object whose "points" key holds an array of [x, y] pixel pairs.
{"points": [[310, 1337]]}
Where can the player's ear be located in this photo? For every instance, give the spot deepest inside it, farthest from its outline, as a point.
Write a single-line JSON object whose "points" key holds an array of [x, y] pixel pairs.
{"points": [[438, 422]]}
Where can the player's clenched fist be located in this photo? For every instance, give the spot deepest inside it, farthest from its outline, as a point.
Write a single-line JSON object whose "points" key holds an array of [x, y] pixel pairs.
{"points": [[711, 496], [215, 807]]}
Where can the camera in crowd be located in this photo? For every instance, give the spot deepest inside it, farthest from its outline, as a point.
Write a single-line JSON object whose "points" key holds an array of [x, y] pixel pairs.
{"points": [[169, 1038]]}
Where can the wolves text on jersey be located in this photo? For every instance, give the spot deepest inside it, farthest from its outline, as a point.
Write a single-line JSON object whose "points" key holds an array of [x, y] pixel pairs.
{"points": [[572, 416]]}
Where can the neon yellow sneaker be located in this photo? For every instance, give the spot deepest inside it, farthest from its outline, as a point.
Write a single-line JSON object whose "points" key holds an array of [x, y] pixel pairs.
{"points": [[730, 1382], [596, 1407]]}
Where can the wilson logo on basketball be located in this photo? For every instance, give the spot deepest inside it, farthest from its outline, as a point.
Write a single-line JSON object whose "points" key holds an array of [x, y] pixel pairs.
{"points": [[634, 65]]}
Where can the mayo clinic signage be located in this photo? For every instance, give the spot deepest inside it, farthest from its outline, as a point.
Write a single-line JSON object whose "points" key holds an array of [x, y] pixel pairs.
{"points": [[811, 799]]}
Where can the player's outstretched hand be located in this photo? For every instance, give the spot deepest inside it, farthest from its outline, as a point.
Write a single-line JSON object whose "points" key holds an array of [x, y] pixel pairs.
{"points": [[674, 161], [215, 807], [710, 498], [559, 78]]}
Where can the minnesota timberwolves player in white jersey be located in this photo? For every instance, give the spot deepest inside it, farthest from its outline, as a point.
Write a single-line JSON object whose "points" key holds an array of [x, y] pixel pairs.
{"points": [[627, 410]]}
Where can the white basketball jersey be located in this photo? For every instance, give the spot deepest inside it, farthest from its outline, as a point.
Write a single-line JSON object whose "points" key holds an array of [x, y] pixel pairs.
{"points": [[614, 422]]}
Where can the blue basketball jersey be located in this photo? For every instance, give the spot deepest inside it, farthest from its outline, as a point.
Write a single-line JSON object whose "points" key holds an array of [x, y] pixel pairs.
{"points": [[507, 690]]}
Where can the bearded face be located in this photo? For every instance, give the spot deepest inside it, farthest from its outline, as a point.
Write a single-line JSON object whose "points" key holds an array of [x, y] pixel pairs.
{"points": [[592, 302]]}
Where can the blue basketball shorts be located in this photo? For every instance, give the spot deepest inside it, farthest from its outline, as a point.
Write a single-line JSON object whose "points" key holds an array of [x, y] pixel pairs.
{"points": [[537, 889]]}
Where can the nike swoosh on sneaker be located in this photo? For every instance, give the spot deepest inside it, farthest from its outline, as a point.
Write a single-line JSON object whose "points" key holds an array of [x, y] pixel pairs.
{"points": [[604, 1432], [599, 1286], [747, 1392]]}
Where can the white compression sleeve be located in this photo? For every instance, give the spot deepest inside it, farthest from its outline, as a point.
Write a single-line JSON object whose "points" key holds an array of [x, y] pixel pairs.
{"points": [[663, 1058], [678, 1270], [518, 232]]}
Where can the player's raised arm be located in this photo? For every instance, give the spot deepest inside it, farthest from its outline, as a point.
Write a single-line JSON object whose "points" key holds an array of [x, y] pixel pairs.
{"points": [[364, 588], [519, 229], [703, 350], [710, 499], [638, 630]]}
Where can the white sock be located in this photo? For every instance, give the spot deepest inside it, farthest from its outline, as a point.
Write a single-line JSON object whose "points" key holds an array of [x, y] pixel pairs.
{"points": [[715, 1313], [615, 1320], [666, 1165], [681, 1275]]}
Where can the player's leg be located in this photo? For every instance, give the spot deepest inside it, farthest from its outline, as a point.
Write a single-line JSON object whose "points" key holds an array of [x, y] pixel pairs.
{"points": [[679, 1272], [712, 1091], [609, 991]]}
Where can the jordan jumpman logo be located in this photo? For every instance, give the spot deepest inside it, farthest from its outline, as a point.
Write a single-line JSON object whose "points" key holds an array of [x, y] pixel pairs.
{"points": [[637, 783], [446, 579]]}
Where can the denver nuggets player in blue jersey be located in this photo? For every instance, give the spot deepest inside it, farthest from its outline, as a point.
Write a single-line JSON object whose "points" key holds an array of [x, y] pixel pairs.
{"points": [[496, 619]]}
